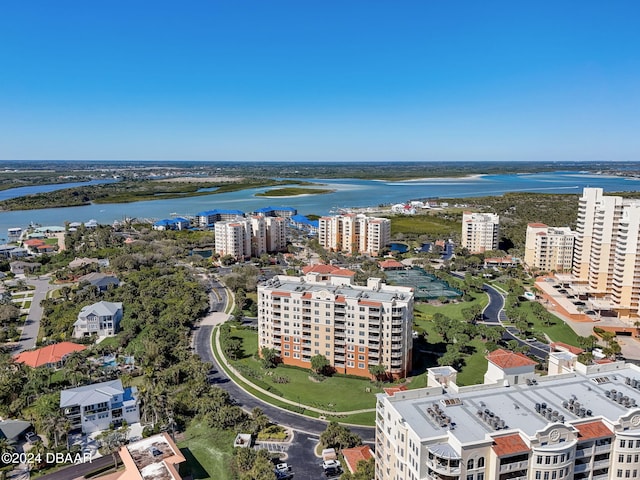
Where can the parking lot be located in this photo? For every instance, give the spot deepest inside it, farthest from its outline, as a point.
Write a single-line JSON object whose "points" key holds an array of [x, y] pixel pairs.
{"points": [[299, 454]]}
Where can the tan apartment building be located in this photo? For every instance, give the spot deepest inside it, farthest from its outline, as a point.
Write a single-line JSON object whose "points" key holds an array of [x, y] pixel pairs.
{"points": [[354, 233], [233, 238], [549, 248], [480, 231], [579, 423], [246, 237], [606, 256], [323, 313]]}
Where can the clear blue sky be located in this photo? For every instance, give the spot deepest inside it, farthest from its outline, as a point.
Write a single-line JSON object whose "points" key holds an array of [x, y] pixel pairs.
{"points": [[320, 80]]}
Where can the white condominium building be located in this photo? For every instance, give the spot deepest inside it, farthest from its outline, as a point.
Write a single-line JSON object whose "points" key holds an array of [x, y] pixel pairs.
{"points": [[549, 248], [480, 231], [246, 237], [322, 313], [233, 238], [582, 423], [354, 233], [606, 253]]}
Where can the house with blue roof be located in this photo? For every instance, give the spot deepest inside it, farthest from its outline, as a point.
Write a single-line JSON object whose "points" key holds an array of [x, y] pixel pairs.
{"points": [[209, 217], [286, 212], [178, 223], [303, 223]]}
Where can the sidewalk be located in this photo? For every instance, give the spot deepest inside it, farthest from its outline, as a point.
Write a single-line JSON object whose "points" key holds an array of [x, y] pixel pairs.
{"points": [[229, 368]]}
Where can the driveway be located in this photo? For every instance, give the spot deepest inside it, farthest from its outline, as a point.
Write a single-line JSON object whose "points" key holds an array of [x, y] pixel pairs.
{"points": [[32, 324]]}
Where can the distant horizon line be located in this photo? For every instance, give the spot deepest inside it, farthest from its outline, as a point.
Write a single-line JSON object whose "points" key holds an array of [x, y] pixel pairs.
{"points": [[313, 161]]}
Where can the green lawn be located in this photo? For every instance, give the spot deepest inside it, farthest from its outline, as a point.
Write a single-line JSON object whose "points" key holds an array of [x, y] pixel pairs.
{"points": [[475, 364], [336, 393], [558, 331], [208, 452], [367, 418], [451, 310]]}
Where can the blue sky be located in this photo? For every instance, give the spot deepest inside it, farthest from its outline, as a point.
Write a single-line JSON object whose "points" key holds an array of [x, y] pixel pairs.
{"points": [[320, 80]]}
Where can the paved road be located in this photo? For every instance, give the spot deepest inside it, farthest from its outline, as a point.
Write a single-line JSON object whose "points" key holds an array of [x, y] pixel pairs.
{"points": [[493, 312], [217, 376], [80, 470], [32, 324], [245, 400]]}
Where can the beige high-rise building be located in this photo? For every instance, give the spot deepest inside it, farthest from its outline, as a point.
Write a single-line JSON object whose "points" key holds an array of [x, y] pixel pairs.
{"points": [[606, 253], [323, 313], [233, 238], [480, 231], [580, 422], [276, 234], [246, 237], [354, 233], [549, 248]]}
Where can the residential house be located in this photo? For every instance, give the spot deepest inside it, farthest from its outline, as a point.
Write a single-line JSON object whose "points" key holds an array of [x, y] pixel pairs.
{"points": [[102, 318], [51, 356], [99, 406], [19, 268], [101, 281]]}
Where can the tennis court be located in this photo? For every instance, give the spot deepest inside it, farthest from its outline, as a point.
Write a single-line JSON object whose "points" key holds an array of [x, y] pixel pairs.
{"points": [[425, 285]]}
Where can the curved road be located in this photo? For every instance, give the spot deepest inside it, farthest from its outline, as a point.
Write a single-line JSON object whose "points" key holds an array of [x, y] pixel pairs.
{"points": [[218, 377], [493, 314]]}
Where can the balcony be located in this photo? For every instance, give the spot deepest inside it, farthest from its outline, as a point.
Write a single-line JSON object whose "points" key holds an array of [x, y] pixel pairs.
{"points": [[511, 467]]}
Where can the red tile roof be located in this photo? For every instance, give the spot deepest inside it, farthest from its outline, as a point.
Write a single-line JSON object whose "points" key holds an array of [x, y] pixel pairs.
{"points": [[509, 445], [369, 303], [391, 391], [276, 293], [595, 429], [565, 347], [356, 454], [34, 242], [505, 359], [390, 264], [537, 225], [328, 270], [49, 354]]}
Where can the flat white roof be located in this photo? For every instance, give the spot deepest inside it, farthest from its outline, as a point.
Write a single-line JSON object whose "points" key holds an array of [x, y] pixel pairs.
{"points": [[515, 404]]}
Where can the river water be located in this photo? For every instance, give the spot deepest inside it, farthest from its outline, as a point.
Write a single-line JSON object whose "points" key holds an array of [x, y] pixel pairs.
{"points": [[348, 193]]}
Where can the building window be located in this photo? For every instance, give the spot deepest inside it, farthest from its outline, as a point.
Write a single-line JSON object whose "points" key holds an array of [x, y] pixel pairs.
{"points": [[481, 462], [470, 464]]}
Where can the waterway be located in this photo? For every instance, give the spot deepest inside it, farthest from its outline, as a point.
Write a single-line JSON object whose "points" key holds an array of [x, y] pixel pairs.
{"points": [[348, 193]]}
